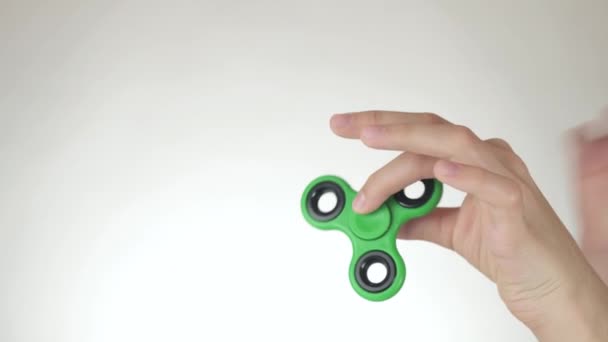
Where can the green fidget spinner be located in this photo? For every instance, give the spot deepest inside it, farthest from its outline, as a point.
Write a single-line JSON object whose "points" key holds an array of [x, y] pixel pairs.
{"points": [[373, 235]]}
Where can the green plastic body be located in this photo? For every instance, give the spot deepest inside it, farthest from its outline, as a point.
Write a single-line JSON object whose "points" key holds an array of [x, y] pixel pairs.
{"points": [[376, 231]]}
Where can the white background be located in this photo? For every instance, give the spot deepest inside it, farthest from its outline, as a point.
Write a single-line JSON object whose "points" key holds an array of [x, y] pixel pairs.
{"points": [[153, 155]]}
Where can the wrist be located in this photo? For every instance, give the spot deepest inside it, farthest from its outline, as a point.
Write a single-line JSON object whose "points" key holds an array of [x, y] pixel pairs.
{"points": [[580, 313]]}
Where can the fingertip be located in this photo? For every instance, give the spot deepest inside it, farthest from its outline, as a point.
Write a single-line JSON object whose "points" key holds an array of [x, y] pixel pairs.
{"points": [[363, 205], [360, 203], [340, 121]]}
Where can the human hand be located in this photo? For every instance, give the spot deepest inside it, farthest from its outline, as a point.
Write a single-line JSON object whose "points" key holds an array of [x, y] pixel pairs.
{"points": [[591, 154], [505, 227]]}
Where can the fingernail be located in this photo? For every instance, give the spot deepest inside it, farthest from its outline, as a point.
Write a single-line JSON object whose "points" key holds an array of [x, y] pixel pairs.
{"points": [[372, 132], [447, 168], [341, 120], [359, 202]]}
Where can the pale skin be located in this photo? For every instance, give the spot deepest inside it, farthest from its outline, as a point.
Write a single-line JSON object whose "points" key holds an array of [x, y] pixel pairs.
{"points": [[504, 227], [592, 187]]}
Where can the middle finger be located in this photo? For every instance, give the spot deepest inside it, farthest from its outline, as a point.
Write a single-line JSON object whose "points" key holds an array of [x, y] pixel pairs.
{"points": [[443, 141], [350, 125]]}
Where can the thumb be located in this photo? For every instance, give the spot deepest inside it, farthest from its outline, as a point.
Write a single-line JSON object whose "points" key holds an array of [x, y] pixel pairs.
{"points": [[437, 227]]}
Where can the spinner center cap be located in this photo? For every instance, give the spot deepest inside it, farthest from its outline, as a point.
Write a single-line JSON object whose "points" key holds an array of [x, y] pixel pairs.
{"points": [[373, 225]]}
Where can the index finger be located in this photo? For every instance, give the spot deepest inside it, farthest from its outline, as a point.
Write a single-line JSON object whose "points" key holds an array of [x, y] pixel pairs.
{"points": [[350, 125]]}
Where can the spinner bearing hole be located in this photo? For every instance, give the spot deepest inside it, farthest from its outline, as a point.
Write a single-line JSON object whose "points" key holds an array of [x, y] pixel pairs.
{"points": [[377, 273], [325, 201], [328, 202], [415, 191], [417, 194]]}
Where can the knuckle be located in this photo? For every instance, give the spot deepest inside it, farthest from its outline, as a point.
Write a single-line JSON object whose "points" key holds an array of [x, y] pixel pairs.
{"points": [[373, 179], [431, 118], [521, 164], [465, 137], [513, 195], [413, 163], [500, 142], [375, 117], [517, 164], [377, 185], [411, 159]]}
